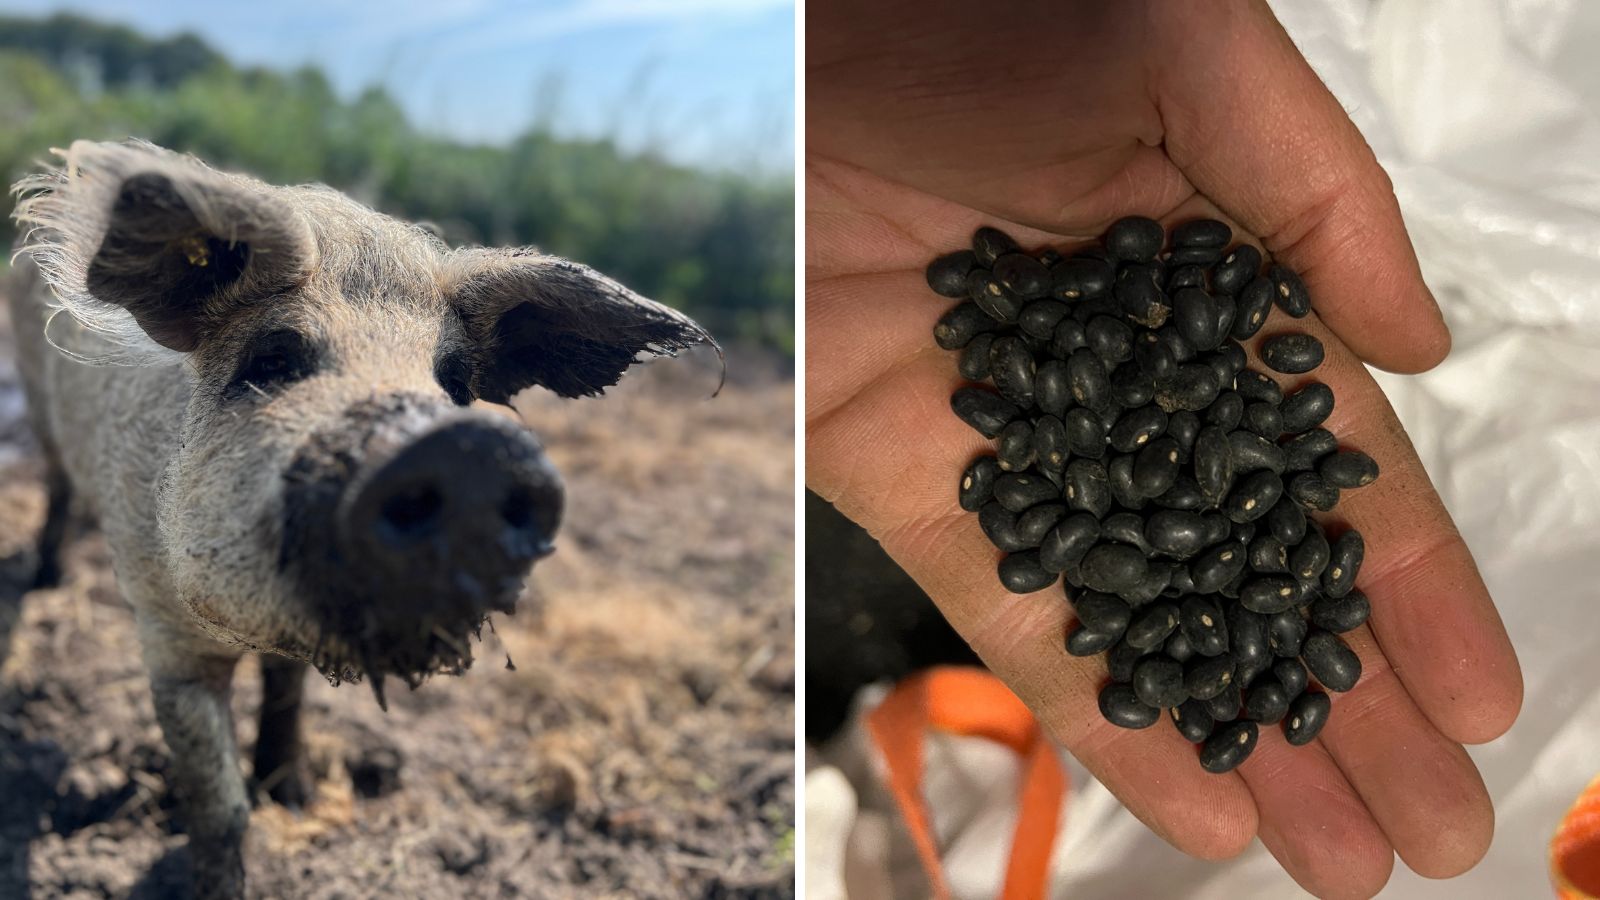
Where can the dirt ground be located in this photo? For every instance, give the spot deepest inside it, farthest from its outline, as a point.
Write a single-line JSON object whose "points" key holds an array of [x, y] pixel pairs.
{"points": [[643, 746]]}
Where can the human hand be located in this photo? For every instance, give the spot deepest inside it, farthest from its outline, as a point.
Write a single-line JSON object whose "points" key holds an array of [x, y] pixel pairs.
{"points": [[1049, 121]]}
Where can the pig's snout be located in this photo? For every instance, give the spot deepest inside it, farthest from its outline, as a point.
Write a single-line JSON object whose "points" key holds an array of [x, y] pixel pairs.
{"points": [[457, 513]]}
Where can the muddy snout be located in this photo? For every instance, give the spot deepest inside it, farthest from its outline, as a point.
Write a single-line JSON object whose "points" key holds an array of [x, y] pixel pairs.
{"points": [[454, 517]]}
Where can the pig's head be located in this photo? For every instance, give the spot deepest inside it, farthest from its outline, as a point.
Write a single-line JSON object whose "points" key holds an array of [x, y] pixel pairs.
{"points": [[333, 496]]}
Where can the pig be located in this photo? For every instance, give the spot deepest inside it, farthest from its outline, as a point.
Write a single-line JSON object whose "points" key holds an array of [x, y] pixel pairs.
{"points": [[265, 396]]}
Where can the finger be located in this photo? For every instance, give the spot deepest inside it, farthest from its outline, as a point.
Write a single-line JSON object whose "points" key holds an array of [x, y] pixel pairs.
{"points": [[1431, 612], [890, 459], [1261, 136], [1313, 822], [1421, 787]]}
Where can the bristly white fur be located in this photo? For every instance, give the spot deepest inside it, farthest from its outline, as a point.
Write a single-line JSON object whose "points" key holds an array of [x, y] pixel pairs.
{"points": [[65, 212]]}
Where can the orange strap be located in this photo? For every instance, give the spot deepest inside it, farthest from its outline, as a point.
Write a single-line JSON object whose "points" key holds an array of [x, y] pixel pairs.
{"points": [[1575, 849], [970, 701]]}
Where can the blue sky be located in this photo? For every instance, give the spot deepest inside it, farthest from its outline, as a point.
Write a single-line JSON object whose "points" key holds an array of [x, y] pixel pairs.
{"points": [[709, 82]]}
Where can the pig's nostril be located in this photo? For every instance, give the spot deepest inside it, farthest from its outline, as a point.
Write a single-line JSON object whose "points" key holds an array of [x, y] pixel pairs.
{"points": [[412, 513], [517, 509]]}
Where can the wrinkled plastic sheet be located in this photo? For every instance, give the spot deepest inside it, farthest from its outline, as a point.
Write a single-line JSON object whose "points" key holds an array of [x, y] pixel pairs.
{"points": [[1486, 113]]}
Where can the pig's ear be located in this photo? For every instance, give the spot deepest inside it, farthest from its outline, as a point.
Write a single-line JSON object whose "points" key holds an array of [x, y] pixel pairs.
{"points": [[177, 245], [542, 320]]}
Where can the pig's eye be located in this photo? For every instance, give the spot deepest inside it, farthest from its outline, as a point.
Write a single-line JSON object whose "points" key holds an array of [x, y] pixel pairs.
{"points": [[455, 376], [275, 359]]}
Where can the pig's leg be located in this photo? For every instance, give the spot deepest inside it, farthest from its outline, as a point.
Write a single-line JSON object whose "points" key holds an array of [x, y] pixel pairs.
{"points": [[279, 766], [191, 699], [48, 573]]}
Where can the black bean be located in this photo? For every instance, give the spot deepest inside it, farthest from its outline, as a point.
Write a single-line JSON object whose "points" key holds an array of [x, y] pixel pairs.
{"points": [[1086, 642], [1052, 388], [1181, 584], [1114, 568], [1080, 278], [1217, 566], [974, 364], [1000, 527], [1195, 256], [1344, 562], [960, 324], [1127, 528], [1111, 339], [1310, 558], [1266, 701], [1255, 387], [1158, 575], [1152, 625], [1195, 316], [1086, 433], [1291, 354], [1120, 473], [1331, 662], [1288, 291], [1221, 369], [1101, 611], [1309, 490], [1192, 721], [1050, 450], [1037, 522], [1252, 495], [987, 412], [1251, 452], [1291, 674], [1244, 532], [1307, 408], [1341, 614], [1307, 714], [1134, 238], [1130, 386], [1268, 554], [989, 244], [1012, 368], [1233, 352], [1158, 681], [1088, 487], [1287, 522], [1040, 318], [1180, 277], [1178, 646], [1226, 411], [1177, 533], [1016, 446], [1139, 297], [1224, 707], [1348, 469], [1202, 233], [1121, 707], [1213, 462], [1067, 338], [1255, 303], [1022, 275], [1286, 632], [1228, 746], [1049, 256], [1236, 270], [1193, 387], [1091, 386], [1136, 428], [1017, 491], [1121, 658], [977, 483], [1306, 450], [1066, 543], [1247, 643], [1154, 357], [1020, 573], [1184, 494], [1263, 419], [1184, 427], [1155, 468], [1202, 622], [1268, 594], [947, 275]]}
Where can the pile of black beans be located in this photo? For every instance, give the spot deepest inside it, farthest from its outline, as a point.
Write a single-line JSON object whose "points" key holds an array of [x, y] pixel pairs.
{"points": [[1141, 459]]}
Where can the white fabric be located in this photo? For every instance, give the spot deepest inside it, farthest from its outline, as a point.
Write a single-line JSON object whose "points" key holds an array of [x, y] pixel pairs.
{"points": [[1486, 113]]}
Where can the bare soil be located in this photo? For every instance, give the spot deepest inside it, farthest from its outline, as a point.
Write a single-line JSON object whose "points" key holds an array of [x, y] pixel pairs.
{"points": [[643, 746]]}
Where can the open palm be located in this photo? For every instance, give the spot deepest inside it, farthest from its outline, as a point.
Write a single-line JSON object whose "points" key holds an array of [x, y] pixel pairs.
{"points": [[1049, 121]]}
